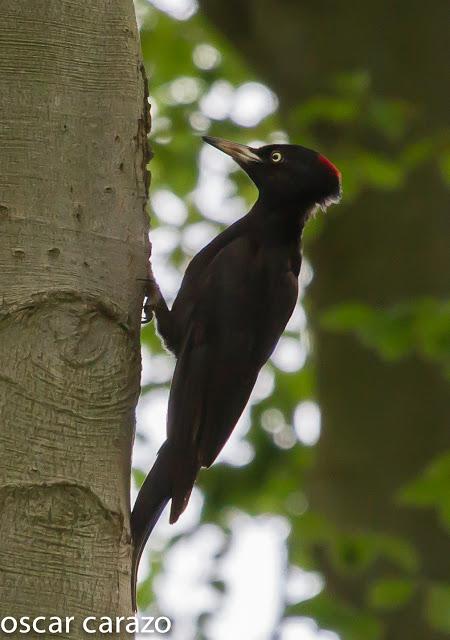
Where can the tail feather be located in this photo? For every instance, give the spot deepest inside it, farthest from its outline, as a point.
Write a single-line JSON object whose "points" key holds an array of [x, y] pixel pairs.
{"points": [[183, 484], [171, 478], [153, 496]]}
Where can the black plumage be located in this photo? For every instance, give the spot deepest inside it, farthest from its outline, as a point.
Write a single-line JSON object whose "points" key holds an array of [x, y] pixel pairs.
{"points": [[235, 300]]}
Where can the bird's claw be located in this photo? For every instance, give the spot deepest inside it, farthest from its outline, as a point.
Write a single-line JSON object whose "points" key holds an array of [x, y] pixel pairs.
{"points": [[147, 309], [153, 297]]}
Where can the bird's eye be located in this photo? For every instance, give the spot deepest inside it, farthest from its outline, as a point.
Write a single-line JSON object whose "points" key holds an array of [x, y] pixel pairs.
{"points": [[276, 156]]}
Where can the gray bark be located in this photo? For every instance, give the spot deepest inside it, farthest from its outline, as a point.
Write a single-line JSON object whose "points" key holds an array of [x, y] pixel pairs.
{"points": [[73, 253]]}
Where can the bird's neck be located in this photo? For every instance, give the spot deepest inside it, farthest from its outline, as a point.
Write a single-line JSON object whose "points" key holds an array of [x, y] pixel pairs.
{"points": [[280, 222]]}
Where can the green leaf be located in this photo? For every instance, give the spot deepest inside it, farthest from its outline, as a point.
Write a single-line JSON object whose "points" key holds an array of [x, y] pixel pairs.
{"points": [[138, 477], [444, 163], [353, 553], [390, 117], [431, 489], [380, 172], [418, 152], [356, 83], [437, 607], [145, 593], [421, 327], [390, 593], [348, 622], [398, 550], [327, 108]]}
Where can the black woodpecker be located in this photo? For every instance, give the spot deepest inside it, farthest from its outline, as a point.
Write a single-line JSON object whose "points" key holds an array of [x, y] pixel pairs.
{"points": [[235, 300]]}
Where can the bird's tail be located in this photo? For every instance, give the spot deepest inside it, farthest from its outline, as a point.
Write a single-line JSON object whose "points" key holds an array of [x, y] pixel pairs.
{"points": [[153, 496], [171, 478]]}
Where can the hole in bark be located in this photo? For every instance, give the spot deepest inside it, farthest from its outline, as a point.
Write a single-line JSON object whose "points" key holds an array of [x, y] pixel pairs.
{"points": [[78, 212], [54, 252]]}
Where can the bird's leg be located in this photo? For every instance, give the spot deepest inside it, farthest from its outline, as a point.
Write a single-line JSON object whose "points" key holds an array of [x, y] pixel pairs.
{"points": [[155, 304]]}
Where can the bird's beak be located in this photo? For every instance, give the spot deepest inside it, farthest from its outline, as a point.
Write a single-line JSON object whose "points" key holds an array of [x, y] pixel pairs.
{"points": [[239, 152]]}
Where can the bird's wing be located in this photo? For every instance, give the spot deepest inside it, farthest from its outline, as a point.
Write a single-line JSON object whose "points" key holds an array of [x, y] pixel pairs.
{"points": [[241, 310], [198, 267]]}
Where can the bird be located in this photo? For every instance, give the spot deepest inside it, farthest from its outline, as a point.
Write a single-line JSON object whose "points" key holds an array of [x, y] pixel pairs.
{"points": [[235, 300]]}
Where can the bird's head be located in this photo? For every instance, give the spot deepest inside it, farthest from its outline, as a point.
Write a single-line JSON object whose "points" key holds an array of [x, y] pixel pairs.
{"points": [[286, 173]]}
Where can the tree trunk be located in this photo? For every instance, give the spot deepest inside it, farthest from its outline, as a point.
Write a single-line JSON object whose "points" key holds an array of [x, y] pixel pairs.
{"points": [[382, 422], [73, 253]]}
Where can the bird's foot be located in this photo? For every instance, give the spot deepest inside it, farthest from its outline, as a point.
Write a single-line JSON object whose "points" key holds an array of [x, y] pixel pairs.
{"points": [[147, 312], [152, 298], [151, 301]]}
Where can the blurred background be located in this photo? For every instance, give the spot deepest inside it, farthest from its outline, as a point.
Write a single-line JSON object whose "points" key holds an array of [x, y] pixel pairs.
{"points": [[327, 515]]}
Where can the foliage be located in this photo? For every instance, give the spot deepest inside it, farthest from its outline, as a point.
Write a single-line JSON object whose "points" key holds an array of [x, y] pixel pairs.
{"points": [[431, 489], [438, 607], [181, 82], [350, 623], [420, 327]]}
